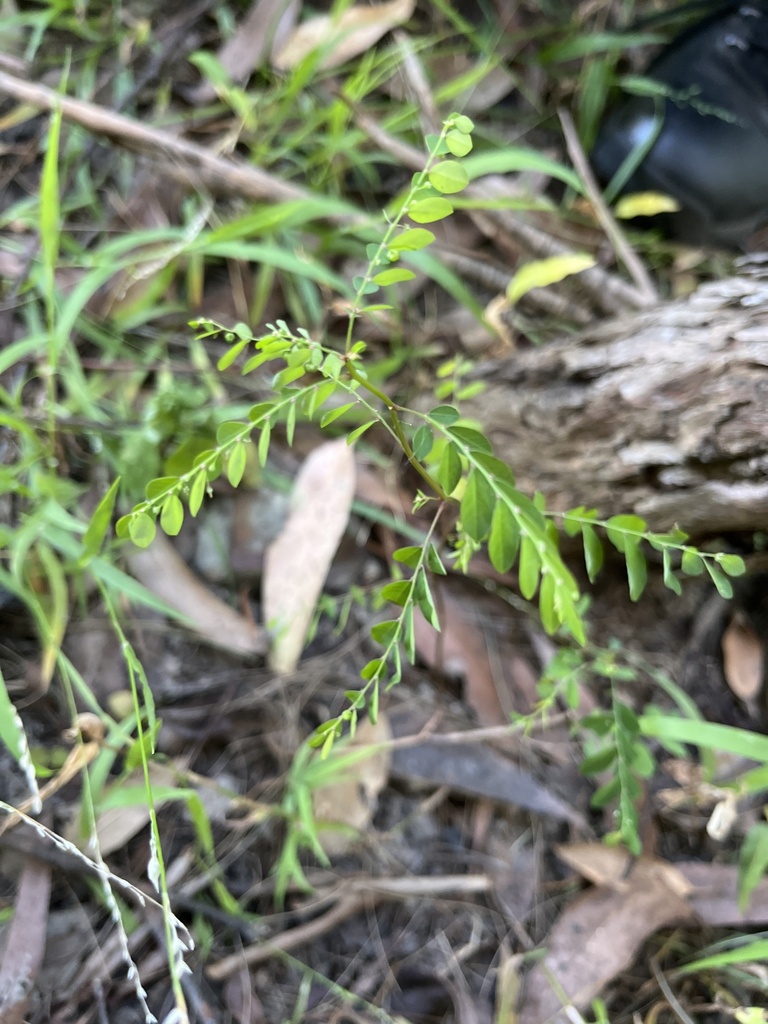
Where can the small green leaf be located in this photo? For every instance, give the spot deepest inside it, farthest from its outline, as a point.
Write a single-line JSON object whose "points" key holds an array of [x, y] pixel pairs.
{"points": [[197, 492], [459, 143], [462, 123], [100, 520], [530, 566], [593, 551], [411, 240], [637, 571], [449, 470], [160, 487], [231, 355], [172, 515], [409, 556], [670, 580], [422, 443], [260, 412], [423, 597], [263, 446], [550, 620], [332, 366], [504, 539], [426, 211], [618, 527], [721, 581], [471, 438], [540, 273], [236, 463], [287, 376], [225, 432], [373, 668], [433, 561], [142, 530], [397, 592], [385, 633], [334, 414], [290, 422], [477, 505], [448, 177], [359, 431], [599, 761], [692, 563], [733, 565], [499, 470], [393, 276], [445, 415]]}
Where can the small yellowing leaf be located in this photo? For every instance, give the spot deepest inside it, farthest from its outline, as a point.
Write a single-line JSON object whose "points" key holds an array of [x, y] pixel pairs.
{"points": [[540, 273], [645, 204]]}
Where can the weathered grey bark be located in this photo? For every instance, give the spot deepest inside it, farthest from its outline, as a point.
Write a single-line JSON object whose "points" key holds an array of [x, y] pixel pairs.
{"points": [[663, 413]]}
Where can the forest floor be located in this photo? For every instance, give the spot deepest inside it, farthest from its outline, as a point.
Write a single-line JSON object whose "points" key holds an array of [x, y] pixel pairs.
{"points": [[448, 862]]}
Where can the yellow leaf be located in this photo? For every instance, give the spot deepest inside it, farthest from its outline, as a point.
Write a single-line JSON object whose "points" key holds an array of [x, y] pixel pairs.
{"points": [[540, 273], [645, 204]]}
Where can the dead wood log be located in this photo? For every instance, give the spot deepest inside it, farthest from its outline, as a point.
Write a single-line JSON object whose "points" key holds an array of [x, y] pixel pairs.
{"points": [[663, 412]]}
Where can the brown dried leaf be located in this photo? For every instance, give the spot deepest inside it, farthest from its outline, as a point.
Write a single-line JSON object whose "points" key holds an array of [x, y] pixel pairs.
{"points": [[743, 658], [482, 772], [715, 895], [351, 798], [296, 563], [614, 868], [355, 31], [598, 935], [162, 571]]}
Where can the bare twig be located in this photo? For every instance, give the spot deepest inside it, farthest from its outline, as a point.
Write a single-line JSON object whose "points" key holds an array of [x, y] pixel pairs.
{"points": [[621, 246]]}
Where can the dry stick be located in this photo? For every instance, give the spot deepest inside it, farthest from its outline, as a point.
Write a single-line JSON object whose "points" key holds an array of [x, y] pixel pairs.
{"points": [[621, 246], [608, 292], [195, 163]]}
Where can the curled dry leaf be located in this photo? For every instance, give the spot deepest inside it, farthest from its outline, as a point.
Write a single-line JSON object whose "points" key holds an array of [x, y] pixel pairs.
{"points": [[347, 804], [743, 658], [162, 571], [296, 563], [355, 31]]}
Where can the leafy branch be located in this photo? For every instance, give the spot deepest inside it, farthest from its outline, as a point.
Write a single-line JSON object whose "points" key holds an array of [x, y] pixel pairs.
{"points": [[454, 459]]}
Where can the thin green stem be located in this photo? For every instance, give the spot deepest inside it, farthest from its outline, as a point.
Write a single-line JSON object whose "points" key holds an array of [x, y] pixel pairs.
{"points": [[397, 426]]}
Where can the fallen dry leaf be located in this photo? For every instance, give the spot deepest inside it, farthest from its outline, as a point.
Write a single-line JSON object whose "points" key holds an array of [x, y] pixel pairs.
{"points": [[355, 31], [264, 30], [598, 934], [350, 799], [743, 659], [615, 868], [296, 563], [476, 770], [162, 571], [25, 943]]}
